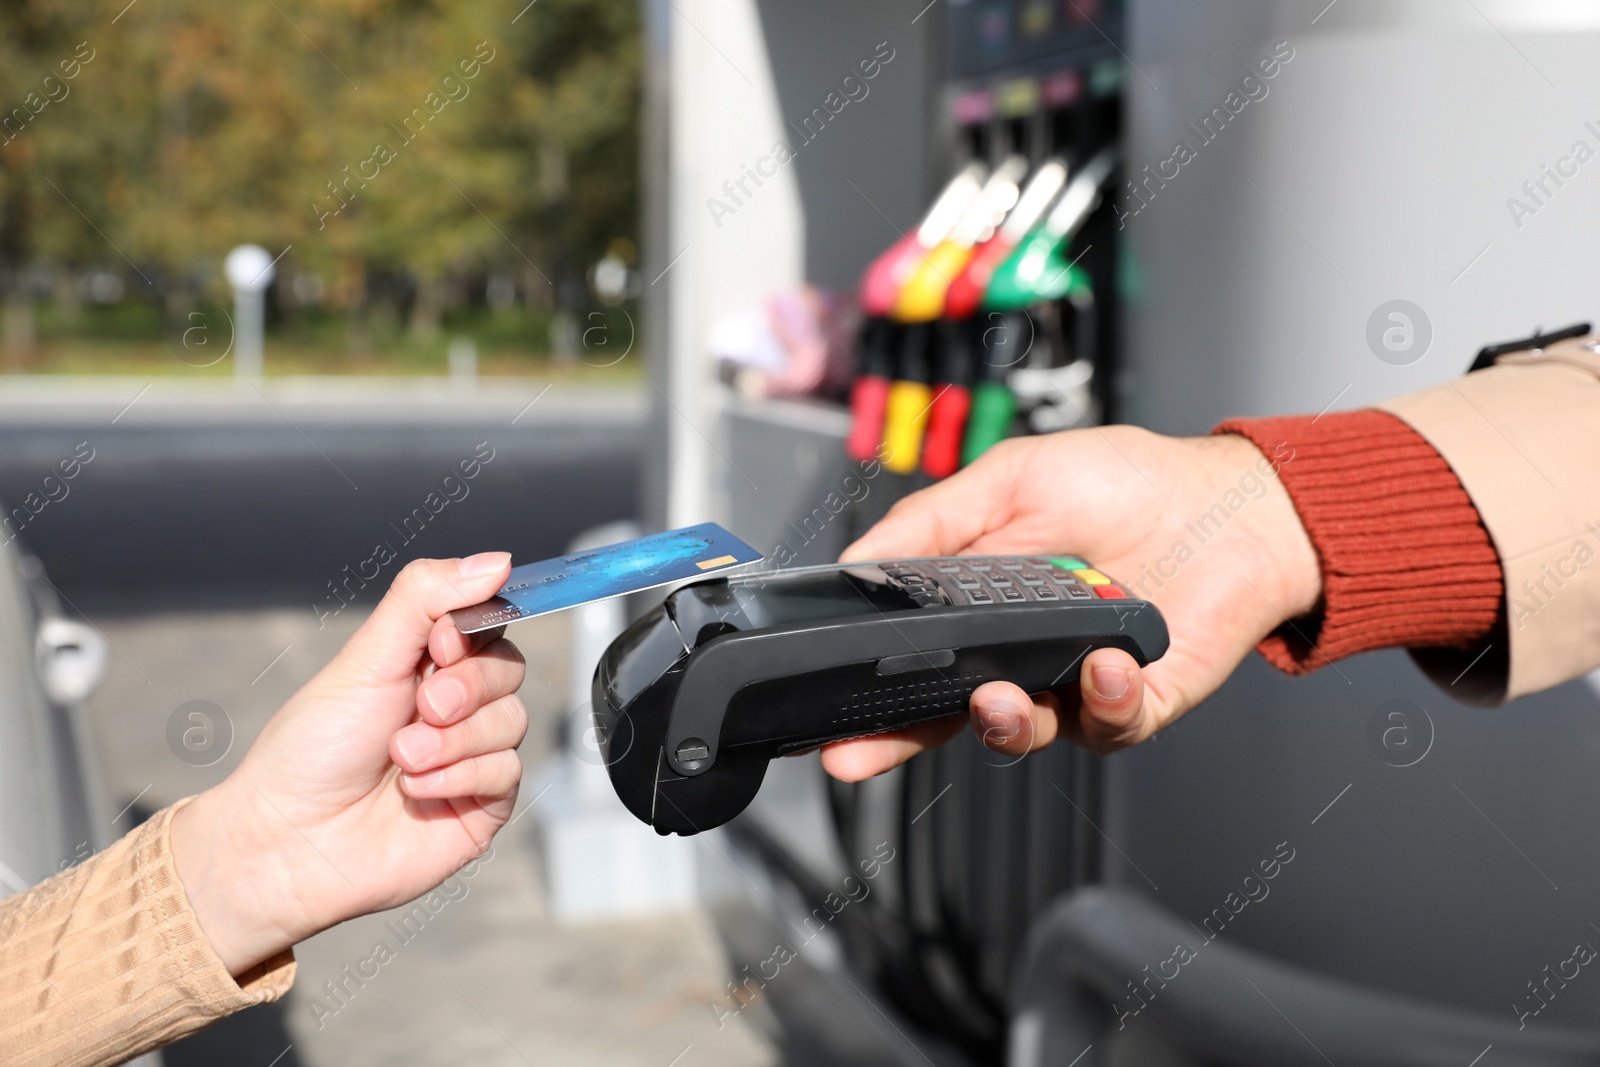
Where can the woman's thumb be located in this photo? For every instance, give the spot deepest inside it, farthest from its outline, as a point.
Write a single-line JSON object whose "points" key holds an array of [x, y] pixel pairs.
{"points": [[395, 637]]}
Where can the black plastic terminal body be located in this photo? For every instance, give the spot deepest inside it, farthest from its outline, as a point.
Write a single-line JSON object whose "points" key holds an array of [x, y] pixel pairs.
{"points": [[694, 699]]}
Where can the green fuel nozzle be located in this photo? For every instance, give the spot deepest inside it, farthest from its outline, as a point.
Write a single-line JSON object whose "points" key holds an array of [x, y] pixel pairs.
{"points": [[1040, 270]]}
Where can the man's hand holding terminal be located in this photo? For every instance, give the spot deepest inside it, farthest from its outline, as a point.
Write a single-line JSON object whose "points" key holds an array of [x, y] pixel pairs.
{"points": [[1163, 515]]}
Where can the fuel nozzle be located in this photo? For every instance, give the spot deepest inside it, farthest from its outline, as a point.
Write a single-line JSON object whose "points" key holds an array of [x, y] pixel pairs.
{"points": [[966, 291], [922, 299], [1039, 270], [909, 401], [869, 394], [887, 276], [952, 399]]}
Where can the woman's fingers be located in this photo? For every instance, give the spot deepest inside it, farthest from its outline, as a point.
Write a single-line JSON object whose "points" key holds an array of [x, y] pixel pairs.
{"points": [[455, 692], [447, 644], [464, 745], [496, 727], [391, 642], [492, 776]]}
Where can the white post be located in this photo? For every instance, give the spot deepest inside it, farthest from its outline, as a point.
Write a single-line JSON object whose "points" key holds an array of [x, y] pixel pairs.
{"points": [[463, 360], [249, 269]]}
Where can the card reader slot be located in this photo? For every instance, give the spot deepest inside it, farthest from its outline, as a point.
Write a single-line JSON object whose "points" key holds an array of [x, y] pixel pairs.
{"points": [[706, 610], [640, 656]]}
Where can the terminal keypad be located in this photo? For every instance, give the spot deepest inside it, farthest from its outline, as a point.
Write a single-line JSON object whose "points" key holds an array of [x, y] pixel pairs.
{"points": [[1006, 580]]}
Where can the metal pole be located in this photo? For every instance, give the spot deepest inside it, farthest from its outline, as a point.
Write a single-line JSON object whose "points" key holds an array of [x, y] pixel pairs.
{"points": [[249, 269]]}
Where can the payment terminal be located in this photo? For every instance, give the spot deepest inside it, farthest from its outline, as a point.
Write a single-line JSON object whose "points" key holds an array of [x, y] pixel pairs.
{"points": [[694, 699]]}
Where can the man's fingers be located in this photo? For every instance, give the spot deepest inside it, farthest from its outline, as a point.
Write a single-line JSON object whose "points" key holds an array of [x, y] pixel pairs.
{"points": [[394, 637], [863, 757], [422, 746], [1008, 720], [1112, 713], [452, 693], [944, 518]]}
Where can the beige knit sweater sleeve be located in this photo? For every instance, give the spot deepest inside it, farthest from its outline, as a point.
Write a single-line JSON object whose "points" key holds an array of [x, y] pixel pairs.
{"points": [[106, 960]]}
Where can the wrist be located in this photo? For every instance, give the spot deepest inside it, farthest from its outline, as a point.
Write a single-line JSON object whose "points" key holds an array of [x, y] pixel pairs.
{"points": [[1291, 572], [1406, 559], [236, 881]]}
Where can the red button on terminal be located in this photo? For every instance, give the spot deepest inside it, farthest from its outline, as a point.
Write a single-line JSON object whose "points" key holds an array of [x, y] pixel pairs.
{"points": [[1110, 592]]}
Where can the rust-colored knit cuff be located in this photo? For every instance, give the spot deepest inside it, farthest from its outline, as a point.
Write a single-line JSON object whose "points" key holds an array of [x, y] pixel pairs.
{"points": [[1406, 561]]}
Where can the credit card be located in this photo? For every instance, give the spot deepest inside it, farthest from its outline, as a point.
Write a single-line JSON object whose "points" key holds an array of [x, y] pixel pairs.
{"points": [[611, 571]]}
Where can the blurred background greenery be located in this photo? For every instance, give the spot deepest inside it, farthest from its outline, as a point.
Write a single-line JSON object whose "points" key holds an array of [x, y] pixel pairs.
{"points": [[434, 171]]}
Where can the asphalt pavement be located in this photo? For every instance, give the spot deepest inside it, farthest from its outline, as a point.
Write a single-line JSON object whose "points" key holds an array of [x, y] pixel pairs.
{"points": [[305, 492]]}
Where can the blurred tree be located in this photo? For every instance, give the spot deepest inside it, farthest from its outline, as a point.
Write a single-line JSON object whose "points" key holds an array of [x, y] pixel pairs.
{"points": [[34, 38], [375, 139]]}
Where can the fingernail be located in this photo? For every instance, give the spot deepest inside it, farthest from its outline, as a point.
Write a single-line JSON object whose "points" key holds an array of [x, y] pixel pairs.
{"points": [[1110, 683], [418, 745], [446, 697], [1002, 720], [484, 563]]}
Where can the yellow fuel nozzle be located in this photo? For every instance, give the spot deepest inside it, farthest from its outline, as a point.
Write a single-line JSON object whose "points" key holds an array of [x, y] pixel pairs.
{"points": [[922, 297]]}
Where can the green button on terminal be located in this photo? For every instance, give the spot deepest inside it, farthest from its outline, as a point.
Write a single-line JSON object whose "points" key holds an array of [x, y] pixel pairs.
{"points": [[1068, 563]]}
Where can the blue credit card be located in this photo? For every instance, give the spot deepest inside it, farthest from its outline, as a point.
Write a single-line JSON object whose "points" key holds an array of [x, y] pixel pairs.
{"points": [[603, 573]]}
